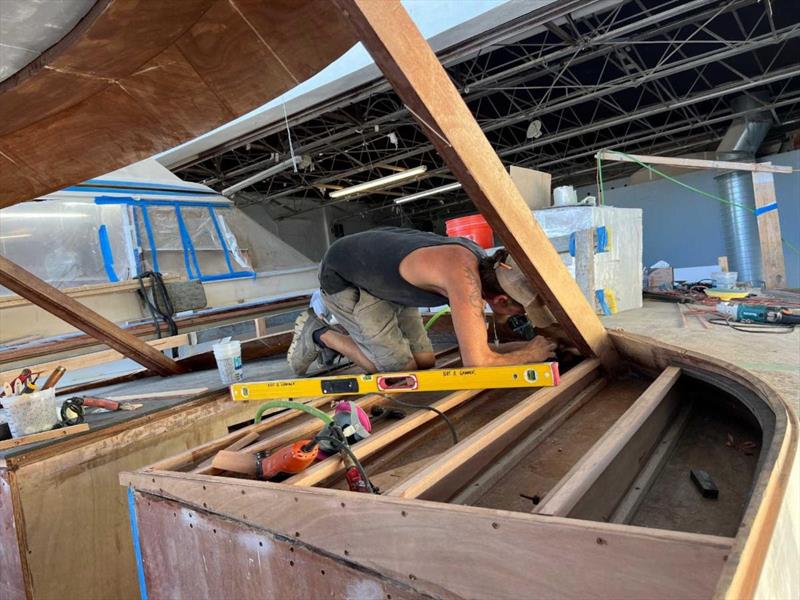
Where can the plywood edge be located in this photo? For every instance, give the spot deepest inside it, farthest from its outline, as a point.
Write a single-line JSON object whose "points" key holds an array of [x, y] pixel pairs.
{"points": [[16, 461], [623, 560], [746, 560]]}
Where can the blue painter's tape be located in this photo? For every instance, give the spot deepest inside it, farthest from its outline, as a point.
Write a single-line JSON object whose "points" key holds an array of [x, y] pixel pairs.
{"points": [[171, 203], [766, 209], [602, 239], [225, 276], [108, 256], [169, 187], [137, 548], [600, 296], [150, 238], [221, 237], [188, 247]]}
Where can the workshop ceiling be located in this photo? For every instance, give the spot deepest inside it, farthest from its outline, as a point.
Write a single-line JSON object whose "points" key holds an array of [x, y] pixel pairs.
{"points": [[645, 76]]}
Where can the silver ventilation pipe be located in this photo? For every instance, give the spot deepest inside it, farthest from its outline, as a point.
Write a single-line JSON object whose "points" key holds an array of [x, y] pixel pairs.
{"points": [[739, 226]]}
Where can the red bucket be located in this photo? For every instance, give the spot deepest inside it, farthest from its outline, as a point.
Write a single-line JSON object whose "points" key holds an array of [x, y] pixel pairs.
{"points": [[473, 227]]}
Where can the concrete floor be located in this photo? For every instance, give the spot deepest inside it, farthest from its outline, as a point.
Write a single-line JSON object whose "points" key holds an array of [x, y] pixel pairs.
{"points": [[773, 358]]}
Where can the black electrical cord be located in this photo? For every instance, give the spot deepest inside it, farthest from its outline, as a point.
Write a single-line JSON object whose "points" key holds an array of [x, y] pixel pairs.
{"points": [[444, 417], [160, 296], [340, 445], [773, 328]]}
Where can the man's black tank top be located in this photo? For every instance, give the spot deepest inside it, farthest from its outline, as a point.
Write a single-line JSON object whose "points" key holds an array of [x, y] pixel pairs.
{"points": [[370, 260]]}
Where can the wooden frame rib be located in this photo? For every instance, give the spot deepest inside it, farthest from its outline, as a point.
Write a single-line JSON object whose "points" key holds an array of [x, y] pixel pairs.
{"points": [[615, 457], [450, 472], [414, 71]]}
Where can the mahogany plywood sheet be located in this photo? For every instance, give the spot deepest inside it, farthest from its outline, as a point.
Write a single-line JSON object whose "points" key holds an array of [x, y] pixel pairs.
{"points": [[136, 77], [12, 578], [225, 558], [464, 551]]}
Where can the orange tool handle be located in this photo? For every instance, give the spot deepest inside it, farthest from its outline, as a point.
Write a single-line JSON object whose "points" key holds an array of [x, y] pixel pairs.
{"points": [[291, 459], [100, 403]]}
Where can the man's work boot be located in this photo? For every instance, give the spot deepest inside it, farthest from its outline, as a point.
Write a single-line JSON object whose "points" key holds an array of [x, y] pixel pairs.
{"points": [[303, 351]]}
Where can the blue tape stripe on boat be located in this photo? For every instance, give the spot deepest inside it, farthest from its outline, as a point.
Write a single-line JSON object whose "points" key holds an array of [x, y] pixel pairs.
{"points": [[135, 202], [600, 296], [221, 237], [144, 184], [150, 238], [108, 256], [602, 239], [188, 247], [765, 209], [224, 276], [137, 548]]}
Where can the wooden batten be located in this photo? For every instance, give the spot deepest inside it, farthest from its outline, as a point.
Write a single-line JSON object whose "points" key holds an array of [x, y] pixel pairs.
{"points": [[693, 163], [769, 231], [414, 71], [451, 471], [481, 484], [96, 358], [595, 485], [54, 301]]}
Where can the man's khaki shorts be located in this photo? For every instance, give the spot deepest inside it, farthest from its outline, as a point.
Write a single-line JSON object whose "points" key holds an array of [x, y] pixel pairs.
{"points": [[389, 334]]}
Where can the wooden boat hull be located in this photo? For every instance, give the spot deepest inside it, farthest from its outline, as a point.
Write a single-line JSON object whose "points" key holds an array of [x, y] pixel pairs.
{"points": [[401, 545]]}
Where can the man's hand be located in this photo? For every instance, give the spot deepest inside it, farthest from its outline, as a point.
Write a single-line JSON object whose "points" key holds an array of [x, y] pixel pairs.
{"points": [[542, 348]]}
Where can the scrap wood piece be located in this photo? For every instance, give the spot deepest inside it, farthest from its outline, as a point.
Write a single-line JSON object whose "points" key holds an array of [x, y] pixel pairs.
{"points": [[83, 361], [155, 395], [243, 441], [56, 302], [43, 436], [415, 73]]}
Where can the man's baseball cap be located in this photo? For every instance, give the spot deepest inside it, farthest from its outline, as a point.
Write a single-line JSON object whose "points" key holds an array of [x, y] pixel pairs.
{"points": [[516, 285]]}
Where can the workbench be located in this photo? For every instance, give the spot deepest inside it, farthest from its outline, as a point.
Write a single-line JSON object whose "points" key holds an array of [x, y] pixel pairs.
{"points": [[64, 527]]}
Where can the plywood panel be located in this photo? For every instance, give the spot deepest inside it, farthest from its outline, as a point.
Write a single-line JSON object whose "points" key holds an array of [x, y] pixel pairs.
{"points": [[224, 558], [74, 507], [12, 578], [434, 545], [214, 46], [108, 94]]}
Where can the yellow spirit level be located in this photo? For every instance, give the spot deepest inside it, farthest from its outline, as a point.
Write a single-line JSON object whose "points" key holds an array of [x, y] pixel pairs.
{"points": [[434, 380]]}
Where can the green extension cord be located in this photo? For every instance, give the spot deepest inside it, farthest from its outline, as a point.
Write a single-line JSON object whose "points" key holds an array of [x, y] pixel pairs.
{"points": [[294, 405], [436, 316], [788, 244]]}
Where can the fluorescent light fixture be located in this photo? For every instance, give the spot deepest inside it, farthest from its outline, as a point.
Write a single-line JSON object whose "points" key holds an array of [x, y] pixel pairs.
{"points": [[15, 236], [261, 175], [425, 193], [383, 182]]}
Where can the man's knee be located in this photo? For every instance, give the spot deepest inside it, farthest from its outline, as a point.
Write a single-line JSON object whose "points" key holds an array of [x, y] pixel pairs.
{"points": [[424, 360]]}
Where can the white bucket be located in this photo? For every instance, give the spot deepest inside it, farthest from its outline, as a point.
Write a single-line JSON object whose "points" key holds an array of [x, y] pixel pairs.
{"points": [[565, 196], [229, 361], [30, 413], [724, 281]]}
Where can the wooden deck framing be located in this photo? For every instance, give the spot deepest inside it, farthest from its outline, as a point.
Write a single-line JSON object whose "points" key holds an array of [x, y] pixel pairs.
{"points": [[53, 300]]}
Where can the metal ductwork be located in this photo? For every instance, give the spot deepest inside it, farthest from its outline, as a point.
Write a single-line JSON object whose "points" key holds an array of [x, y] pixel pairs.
{"points": [[739, 226]]}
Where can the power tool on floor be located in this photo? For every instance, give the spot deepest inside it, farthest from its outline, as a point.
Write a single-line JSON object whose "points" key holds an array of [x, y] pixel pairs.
{"points": [[350, 424], [758, 313]]}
